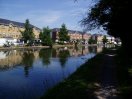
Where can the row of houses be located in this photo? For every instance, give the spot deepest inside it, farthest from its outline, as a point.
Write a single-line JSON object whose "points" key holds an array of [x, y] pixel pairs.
{"points": [[74, 35], [10, 31]]}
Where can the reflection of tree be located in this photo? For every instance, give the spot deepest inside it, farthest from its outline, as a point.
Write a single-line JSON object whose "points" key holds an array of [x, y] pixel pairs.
{"points": [[54, 53], [45, 55], [27, 61], [92, 49], [63, 55], [83, 48], [7, 53], [76, 48]]}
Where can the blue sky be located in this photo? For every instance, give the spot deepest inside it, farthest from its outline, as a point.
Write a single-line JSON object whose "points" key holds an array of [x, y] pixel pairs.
{"points": [[42, 13]]}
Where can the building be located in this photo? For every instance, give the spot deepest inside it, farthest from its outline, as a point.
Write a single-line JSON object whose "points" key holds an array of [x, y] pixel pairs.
{"points": [[110, 39], [98, 38], [12, 29], [74, 35]]}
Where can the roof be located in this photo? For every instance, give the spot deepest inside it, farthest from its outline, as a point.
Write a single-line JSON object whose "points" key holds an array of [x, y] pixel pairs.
{"points": [[19, 24], [69, 31]]}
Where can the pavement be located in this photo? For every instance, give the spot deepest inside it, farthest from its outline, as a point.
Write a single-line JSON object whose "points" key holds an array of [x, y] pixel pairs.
{"points": [[107, 88]]}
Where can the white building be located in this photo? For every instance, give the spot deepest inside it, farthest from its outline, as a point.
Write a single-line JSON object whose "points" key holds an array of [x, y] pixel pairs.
{"points": [[110, 39], [8, 40]]}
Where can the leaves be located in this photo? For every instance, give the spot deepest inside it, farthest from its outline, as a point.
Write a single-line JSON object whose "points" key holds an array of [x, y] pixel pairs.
{"points": [[28, 34], [63, 34], [45, 37]]}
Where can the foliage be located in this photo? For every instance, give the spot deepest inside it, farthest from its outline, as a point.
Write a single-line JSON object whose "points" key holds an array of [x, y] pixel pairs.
{"points": [[45, 37], [63, 34], [27, 34], [92, 41], [114, 16], [105, 40], [124, 74], [7, 44]]}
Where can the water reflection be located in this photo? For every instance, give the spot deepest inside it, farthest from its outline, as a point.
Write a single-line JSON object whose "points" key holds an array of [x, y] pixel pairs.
{"points": [[9, 59], [27, 61], [13, 58], [63, 56], [45, 55], [28, 74]]}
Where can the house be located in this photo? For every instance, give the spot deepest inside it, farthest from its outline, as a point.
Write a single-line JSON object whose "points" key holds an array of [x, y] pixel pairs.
{"points": [[74, 35], [11, 29]]}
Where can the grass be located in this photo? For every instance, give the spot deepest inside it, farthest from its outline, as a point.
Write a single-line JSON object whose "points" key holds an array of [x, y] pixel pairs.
{"points": [[124, 73]]}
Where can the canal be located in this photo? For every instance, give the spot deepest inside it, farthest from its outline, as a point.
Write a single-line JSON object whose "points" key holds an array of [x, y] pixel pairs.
{"points": [[28, 74]]}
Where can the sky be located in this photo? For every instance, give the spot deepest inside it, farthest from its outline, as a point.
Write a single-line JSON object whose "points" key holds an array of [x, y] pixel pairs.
{"points": [[42, 13]]}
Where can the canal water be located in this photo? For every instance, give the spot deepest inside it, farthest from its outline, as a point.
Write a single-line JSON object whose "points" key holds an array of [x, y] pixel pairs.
{"points": [[28, 74]]}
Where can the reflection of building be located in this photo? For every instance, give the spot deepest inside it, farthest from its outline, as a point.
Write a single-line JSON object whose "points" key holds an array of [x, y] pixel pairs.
{"points": [[73, 51], [74, 35], [13, 29], [99, 49], [9, 59]]}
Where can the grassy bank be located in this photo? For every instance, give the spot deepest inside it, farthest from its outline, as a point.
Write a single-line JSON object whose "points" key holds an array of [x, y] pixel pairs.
{"points": [[34, 47], [65, 45], [23, 47], [81, 84], [124, 73]]}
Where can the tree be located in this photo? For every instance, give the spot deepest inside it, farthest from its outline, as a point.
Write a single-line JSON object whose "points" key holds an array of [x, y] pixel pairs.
{"points": [[105, 40], [27, 34], [45, 36], [92, 41], [114, 16], [63, 34]]}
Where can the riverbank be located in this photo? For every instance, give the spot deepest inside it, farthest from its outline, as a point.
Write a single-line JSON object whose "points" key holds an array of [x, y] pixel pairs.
{"points": [[33, 47], [66, 45], [124, 74], [23, 47], [40, 47], [79, 85], [105, 76]]}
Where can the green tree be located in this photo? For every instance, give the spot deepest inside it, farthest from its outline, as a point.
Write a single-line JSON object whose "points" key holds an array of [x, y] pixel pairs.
{"points": [[63, 34], [105, 40], [92, 41], [45, 36], [27, 34], [115, 17]]}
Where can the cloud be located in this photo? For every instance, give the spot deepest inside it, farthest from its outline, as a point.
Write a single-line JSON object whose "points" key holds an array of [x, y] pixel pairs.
{"points": [[45, 17], [39, 18], [59, 12], [78, 12]]}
